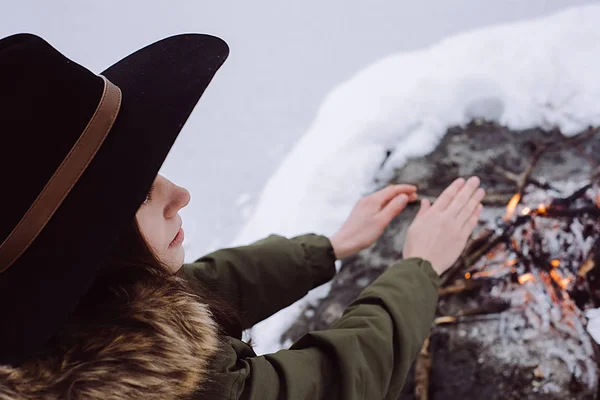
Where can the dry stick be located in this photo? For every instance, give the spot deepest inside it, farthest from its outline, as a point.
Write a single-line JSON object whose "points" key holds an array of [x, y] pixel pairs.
{"points": [[571, 212], [497, 199], [525, 177], [472, 247], [422, 372], [489, 306], [572, 197], [460, 286], [489, 241]]}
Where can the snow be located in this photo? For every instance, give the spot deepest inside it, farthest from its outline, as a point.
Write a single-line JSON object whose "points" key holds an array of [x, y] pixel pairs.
{"points": [[535, 73], [593, 326]]}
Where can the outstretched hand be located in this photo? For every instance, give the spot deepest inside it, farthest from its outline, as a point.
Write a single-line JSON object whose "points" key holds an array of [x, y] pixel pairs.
{"points": [[438, 234], [440, 231], [369, 218]]}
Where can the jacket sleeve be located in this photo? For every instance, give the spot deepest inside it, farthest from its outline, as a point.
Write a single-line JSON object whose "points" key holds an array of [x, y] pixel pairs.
{"points": [[365, 355], [265, 277]]}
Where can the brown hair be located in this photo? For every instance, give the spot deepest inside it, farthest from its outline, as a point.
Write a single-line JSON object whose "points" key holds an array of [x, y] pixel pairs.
{"points": [[132, 261], [139, 332]]}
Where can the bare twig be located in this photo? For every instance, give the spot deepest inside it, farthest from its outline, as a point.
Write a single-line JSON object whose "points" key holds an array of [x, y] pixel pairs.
{"points": [[485, 243], [460, 286], [422, 372], [571, 212], [472, 247], [489, 306]]}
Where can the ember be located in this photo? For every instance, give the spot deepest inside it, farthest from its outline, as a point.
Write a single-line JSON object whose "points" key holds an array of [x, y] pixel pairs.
{"points": [[512, 205], [541, 209], [525, 278]]}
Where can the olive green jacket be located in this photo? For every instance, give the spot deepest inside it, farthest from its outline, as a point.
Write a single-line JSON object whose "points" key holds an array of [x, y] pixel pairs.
{"points": [[364, 355]]}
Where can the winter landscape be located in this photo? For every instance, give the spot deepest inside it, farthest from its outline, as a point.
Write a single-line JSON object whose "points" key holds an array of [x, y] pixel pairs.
{"points": [[514, 99]]}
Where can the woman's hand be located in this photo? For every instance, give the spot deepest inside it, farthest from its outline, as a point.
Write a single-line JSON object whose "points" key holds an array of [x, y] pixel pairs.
{"points": [[440, 231], [369, 218]]}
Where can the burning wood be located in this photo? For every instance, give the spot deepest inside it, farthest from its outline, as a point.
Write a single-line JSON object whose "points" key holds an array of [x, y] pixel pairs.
{"points": [[512, 206], [523, 279]]}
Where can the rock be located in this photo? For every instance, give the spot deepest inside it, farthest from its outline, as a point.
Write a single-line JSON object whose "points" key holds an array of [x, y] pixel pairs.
{"points": [[506, 356]]}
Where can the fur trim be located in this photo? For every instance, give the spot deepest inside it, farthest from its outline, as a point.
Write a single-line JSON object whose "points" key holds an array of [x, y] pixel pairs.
{"points": [[160, 348]]}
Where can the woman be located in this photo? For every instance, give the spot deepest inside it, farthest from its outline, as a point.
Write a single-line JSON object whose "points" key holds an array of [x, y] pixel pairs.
{"points": [[94, 300]]}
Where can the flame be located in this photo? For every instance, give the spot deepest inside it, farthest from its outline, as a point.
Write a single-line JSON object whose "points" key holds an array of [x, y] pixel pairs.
{"points": [[586, 267], [482, 274], [555, 263], [526, 211], [511, 207], [564, 284], [515, 244], [542, 209], [548, 284], [525, 278], [560, 281], [468, 275]]}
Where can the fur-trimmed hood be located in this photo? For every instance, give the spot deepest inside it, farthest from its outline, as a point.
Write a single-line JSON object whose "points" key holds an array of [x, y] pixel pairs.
{"points": [[160, 348]]}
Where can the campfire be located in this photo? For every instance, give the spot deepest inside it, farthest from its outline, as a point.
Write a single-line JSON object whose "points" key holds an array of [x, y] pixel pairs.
{"points": [[535, 259]]}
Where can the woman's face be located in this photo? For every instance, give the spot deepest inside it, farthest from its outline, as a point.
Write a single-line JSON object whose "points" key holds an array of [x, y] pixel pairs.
{"points": [[160, 223]]}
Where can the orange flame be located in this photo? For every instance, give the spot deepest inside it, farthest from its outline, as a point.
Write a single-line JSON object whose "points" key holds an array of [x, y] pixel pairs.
{"points": [[563, 283], [511, 207], [515, 244], [586, 267], [525, 278], [526, 211], [468, 275], [555, 263], [541, 209]]}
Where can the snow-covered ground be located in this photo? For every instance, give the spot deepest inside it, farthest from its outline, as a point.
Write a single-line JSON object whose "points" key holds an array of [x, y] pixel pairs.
{"points": [[536, 73]]}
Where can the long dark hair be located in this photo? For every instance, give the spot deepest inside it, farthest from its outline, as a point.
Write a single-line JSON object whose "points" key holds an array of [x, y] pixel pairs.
{"points": [[132, 261], [135, 305]]}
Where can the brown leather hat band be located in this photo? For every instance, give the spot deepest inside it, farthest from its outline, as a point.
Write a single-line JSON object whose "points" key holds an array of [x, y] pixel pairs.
{"points": [[65, 177]]}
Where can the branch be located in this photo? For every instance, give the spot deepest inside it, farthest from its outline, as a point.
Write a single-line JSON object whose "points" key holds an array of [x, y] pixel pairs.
{"points": [[422, 372]]}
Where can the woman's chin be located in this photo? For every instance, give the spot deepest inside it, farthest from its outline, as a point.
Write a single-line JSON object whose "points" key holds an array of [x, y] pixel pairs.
{"points": [[175, 259]]}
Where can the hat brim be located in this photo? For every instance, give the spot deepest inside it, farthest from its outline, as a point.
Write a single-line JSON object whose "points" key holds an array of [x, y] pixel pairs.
{"points": [[161, 85]]}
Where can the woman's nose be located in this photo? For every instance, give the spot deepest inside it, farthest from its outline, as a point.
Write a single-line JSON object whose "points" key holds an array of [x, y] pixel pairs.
{"points": [[180, 197]]}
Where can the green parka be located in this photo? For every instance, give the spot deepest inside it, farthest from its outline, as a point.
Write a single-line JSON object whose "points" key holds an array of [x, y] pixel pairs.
{"points": [[364, 355]]}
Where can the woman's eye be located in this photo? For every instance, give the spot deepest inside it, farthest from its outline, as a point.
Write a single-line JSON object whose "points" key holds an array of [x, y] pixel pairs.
{"points": [[148, 196]]}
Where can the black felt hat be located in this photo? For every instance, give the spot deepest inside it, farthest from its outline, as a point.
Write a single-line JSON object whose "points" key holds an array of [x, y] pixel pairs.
{"points": [[78, 155]]}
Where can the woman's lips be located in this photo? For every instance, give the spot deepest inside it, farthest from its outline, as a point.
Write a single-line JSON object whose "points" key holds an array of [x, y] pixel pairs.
{"points": [[178, 238]]}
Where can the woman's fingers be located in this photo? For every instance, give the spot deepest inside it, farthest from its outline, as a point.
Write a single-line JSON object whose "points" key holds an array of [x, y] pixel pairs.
{"points": [[393, 208], [470, 207], [463, 196], [471, 222], [384, 196], [444, 200], [425, 205]]}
